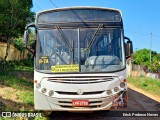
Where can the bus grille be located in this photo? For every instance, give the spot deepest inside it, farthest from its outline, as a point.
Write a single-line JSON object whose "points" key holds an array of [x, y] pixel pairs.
{"points": [[80, 80]]}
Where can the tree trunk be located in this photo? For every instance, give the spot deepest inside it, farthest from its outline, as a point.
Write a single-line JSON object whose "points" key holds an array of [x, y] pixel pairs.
{"points": [[7, 52]]}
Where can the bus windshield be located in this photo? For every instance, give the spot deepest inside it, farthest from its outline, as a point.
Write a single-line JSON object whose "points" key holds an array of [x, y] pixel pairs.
{"points": [[96, 49]]}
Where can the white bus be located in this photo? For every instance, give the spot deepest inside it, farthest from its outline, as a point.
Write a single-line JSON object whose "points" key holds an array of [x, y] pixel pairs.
{"points": [[80, 59]]}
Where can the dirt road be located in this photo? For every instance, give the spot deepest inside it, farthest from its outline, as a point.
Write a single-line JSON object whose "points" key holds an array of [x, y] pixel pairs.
{"points": [[136, 102]]}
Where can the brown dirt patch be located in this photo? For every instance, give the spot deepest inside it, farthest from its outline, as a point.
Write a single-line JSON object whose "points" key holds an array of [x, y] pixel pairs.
{"points": [[10, 98]]}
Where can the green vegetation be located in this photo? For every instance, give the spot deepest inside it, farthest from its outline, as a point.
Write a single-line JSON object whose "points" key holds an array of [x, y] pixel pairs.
{"points": [[142, 57], [147, 84], [22, 65], [16, 87], [19, 77], [15, 14], [16, 77], [16, 66], [19, 44], [16, 82]]}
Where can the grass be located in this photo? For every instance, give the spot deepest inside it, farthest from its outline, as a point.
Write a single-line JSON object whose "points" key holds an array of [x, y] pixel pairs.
{"points": [[18, 91], [27, 97], [24, 68], [23, 65], [147, 84], [17, 82]]}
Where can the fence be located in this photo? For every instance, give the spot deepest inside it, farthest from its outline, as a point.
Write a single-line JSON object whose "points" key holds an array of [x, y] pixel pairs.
{"points": [[14, 53], [137, 70]]}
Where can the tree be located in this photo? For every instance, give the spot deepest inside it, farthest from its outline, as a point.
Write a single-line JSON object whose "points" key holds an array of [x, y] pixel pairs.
{"points": [[142, 57], [14, 15]]}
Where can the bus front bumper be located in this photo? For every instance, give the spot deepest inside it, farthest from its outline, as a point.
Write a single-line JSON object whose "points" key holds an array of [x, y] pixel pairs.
{"points": [[117, 101]]}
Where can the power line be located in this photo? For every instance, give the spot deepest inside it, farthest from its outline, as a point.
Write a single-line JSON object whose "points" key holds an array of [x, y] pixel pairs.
{"points": [[143, 34], [38, 6], [153, 35], [53, 4]]}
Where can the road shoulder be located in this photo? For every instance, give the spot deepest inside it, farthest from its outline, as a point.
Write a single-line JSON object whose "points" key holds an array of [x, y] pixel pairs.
{"points": [[156, 98]]}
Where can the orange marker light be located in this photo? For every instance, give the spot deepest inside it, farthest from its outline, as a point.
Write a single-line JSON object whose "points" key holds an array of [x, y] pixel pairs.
{"points": [[35, 81], [124, 80]]}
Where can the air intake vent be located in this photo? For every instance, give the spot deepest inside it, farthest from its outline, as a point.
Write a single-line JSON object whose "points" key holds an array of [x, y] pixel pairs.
{"points": [[80, 80], [75, 93]]}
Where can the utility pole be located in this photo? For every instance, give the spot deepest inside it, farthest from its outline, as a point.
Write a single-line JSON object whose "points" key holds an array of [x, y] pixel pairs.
{"points": [[151, 49]]}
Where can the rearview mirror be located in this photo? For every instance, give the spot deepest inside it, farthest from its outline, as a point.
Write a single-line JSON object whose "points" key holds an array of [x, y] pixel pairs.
{"points": [[26, 37], [30, 28], [30, 37], [128, 47]]}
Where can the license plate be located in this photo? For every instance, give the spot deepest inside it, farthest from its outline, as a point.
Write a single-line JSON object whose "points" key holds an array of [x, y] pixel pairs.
{"points": [[80, 102]]}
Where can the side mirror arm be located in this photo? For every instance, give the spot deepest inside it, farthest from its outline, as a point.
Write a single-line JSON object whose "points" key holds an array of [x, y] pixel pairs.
{"points": [[127, 38]]}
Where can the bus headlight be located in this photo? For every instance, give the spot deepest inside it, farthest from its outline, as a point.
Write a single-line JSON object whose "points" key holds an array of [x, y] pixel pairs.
{"points": [[109, 92], [116, 89], [122, 84], [51, 93], [43, 90], [38, 85]]}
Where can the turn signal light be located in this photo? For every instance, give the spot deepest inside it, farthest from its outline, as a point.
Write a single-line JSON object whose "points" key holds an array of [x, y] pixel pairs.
{"points": [[35, 81], [124, 80]]}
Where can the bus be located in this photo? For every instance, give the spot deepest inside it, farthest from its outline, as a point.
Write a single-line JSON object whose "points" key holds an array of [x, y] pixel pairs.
{"points": [[80, 59]]}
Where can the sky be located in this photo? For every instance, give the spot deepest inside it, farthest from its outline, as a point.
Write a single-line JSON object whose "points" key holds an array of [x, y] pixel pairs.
{"points": [[141, 18]]}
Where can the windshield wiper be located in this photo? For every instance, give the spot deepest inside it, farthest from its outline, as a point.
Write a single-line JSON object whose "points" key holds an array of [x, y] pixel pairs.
{"points": [[95, 35], [64, 38], [67, 42]]}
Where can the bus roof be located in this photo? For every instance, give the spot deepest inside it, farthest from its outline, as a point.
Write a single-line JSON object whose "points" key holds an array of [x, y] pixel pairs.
{"points": [[78, 7]]}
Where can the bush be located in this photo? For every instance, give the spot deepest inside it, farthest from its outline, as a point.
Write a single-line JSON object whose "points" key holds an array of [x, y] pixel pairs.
{"points": [[27, 62], [154, 66], [18, 43]]}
